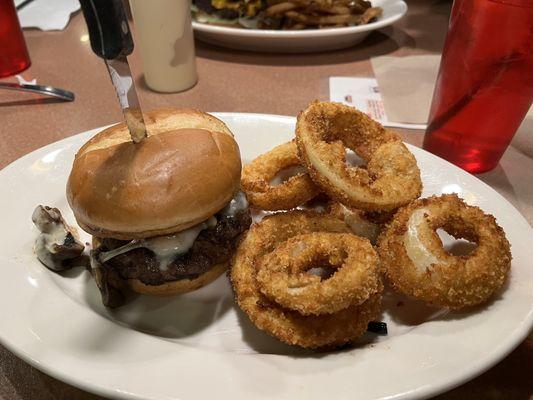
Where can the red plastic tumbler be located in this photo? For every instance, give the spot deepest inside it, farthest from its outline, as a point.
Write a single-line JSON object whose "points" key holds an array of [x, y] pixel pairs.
{"points": [[13, 52], [485, 83]]}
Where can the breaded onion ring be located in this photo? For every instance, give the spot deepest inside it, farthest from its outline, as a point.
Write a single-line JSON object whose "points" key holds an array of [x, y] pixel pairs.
{"points": [[282, 274], [257, 176], [391, 177], [328, 330], [416, 263]]}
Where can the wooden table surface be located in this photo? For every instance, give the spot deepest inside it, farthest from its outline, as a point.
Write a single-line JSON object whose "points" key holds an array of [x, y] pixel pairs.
{"points": [[239, 82]]}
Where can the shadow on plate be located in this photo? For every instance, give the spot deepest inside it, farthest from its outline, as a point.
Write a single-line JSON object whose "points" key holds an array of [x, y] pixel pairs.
{"points": [[410, 312], [168, 317], [262, 343], [498, 179], [73, 273], [377, 43]]}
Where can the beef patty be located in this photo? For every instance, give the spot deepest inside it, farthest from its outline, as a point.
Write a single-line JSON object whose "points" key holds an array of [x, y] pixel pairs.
{"points": [[213, 246]]}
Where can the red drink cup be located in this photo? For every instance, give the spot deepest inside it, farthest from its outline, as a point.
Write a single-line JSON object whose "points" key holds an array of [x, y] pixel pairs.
{"points": [[485, 83], [13, 52]]}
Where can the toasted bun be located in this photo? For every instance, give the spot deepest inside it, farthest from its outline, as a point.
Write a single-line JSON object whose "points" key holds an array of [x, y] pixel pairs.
{"points": [[186, 170]]}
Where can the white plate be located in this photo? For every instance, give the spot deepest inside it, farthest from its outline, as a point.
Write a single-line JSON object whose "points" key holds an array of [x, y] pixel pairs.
{"points": [[199, 346], [303, 41]]}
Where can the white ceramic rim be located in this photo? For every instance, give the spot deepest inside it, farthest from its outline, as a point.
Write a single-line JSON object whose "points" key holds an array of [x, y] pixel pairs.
{"points": [[308, 33], [469, 371]]}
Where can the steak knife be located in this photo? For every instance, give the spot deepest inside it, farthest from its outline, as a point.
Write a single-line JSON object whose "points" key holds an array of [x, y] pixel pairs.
{"points": [[111, 40]]}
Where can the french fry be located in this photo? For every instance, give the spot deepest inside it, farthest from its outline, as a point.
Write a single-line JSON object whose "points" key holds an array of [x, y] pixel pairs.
{"points": [[360, 6], [370, 14], [323, 20], [299, 26], [335, 10], [280, 8], [302, 14], [274, 2]]}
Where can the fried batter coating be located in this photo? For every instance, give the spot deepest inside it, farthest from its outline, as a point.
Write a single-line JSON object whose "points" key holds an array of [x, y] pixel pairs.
{"points": [[391, 177], [257, 176], [282, 274], [328, 330], [417, 265]]}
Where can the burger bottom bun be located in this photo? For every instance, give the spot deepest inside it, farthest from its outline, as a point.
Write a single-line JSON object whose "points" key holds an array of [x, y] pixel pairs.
{"points": [[174, 287], [180, 286]]}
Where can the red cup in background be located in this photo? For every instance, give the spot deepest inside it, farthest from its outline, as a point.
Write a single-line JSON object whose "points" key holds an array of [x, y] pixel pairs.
{"points": [[485, 84], [14, 55]]}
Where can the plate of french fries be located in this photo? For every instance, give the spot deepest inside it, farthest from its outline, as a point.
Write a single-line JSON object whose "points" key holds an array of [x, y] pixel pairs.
{"points": [[291, 26]]}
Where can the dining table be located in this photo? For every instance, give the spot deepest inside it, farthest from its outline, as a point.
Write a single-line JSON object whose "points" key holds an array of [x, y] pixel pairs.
{"points": [[234, 81]]}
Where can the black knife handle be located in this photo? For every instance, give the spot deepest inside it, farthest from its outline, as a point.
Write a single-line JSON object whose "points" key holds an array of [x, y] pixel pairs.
{"points": [[108, 28]]}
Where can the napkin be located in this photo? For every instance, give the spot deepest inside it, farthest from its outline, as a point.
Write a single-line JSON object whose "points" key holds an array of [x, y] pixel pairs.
{"points": [[364, 94], [47, 15], [406, 85]]}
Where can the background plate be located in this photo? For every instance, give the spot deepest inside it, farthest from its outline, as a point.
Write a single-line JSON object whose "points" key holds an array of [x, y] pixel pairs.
{"points": [[199, 345], [303, 41]]}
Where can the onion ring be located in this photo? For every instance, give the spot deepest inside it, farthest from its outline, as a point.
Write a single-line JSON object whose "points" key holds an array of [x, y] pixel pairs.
{"points": [[391, 177], [362, 223], [417, 265], [282, 274], [257, 176], [328, 330]]}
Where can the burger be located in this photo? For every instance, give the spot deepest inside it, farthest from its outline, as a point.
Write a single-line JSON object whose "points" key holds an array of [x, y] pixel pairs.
{"points": [[166, 213]]}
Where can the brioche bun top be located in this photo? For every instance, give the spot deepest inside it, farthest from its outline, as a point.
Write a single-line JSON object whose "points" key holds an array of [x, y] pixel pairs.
{"points": [[186, 170]]}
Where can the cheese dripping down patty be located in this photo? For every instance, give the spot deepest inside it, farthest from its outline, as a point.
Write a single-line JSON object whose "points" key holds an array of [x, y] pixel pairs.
{"points": [[167, 248]]}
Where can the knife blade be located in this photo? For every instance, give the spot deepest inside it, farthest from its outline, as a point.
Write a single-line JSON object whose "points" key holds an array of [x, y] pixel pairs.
{"points": [[111, 40]]}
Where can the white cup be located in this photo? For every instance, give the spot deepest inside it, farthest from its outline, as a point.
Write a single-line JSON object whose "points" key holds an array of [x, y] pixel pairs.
{"points": [[164, 35]]}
